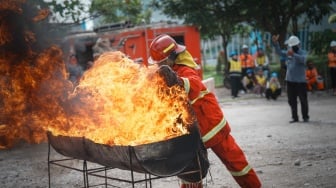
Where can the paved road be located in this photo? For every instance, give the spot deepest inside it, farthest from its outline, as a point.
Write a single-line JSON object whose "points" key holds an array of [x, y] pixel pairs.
{"points": [[284, 155]]}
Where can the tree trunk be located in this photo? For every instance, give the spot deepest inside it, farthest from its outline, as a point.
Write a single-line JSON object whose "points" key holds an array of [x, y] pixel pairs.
{"points": [[226, 79], [295, 25], [282, 31]]}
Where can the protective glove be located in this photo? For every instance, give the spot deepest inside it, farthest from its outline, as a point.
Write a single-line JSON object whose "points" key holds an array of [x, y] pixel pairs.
{"points": [[169, 76]]}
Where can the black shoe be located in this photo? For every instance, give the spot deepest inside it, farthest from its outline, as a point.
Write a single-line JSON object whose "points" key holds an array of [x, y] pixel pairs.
{"points": [[294, 121], [306, 120]]}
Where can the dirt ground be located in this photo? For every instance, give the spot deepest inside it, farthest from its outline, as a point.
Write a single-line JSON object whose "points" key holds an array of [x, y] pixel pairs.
{"points": [[283, 154]]}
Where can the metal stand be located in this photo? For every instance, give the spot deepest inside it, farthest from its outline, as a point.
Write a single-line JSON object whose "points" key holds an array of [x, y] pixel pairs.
{"points": [[102, 172]]}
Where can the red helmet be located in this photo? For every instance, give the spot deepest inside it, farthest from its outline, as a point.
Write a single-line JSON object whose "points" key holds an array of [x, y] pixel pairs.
{"points": [[162, 47]]}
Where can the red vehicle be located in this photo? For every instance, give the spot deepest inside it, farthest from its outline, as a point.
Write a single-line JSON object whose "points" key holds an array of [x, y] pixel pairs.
{"points": [[134, 41]]}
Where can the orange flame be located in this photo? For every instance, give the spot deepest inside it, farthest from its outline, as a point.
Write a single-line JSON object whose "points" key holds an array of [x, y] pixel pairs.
{"points": [[31, 95], [117, 101]]}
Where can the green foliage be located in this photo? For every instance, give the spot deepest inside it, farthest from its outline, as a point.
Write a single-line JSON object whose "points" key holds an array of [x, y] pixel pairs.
{"points": [[274, 67], [276, 16], [210, 71], [225, 18], [120, 11], [67, 10], [320, 62], [320, 42], [214, 17], [219, 17]]}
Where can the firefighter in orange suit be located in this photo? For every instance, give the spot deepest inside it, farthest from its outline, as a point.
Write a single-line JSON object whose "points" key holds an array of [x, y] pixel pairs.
{"points": [[175, 61]]}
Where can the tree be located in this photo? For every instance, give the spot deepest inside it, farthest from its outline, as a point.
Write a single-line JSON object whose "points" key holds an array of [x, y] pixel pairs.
{"points": [[277, 16], [319, 42], [120, 11], [65, 11], [213, 18]]}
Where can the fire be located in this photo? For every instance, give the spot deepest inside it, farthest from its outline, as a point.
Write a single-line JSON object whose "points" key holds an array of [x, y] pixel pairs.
{"points": [[117, 101]]}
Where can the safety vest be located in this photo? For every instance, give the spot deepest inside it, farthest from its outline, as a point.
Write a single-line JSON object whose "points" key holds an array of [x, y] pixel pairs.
{"points": [[260, 79], [261, 60], [246, 60], [331, 59], [235, 66]]}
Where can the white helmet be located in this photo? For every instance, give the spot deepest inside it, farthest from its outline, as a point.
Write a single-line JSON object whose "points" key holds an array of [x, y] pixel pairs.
{"points": [[333, 43], [292, 41], [244, 46]]}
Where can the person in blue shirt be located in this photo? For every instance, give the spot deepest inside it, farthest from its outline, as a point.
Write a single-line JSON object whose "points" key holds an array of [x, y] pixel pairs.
{"points": [[295, 75]]}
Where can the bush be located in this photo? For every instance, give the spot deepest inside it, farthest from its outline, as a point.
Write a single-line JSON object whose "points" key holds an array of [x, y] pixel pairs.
{"points": [[321, 64]]}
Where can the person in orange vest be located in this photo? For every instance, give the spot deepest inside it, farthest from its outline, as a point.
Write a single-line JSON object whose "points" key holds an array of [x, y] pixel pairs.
{"points": [[332, 65], [175, 62], [246, 60], [311, 76]]}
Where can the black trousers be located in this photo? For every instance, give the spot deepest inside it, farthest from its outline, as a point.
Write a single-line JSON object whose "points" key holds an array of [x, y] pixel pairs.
{"points": [[274, 95], [333, 77], [235, 82], [295, 90]]}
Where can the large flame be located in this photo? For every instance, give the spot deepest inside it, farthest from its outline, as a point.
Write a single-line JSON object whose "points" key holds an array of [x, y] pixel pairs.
{"points": [[117, 101], [120, 102]]}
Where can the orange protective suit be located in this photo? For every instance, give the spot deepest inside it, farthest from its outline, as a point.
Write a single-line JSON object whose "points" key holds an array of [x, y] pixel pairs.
{"points": [[311, 77], [214, 128]]}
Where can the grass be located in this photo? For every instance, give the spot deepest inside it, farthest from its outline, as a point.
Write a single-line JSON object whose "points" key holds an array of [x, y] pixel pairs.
{"points": [[210, 71]]}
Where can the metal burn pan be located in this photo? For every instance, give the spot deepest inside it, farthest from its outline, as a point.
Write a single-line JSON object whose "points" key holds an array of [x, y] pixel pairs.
{"points": [[163, 158]]}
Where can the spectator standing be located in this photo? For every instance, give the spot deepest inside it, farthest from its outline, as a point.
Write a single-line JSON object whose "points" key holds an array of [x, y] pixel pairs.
{"points": [[246, 60], [295, 76], [261, 61], [332, 65], [311, 76], [235, 71], [176, 63], [273, 87]]}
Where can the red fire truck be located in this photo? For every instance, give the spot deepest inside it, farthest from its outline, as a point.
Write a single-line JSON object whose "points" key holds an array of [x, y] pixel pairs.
{"points": [[134, 41]]}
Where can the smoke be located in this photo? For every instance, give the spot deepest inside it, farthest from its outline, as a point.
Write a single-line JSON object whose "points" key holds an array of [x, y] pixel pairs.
{"points": [[33, 77]]}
